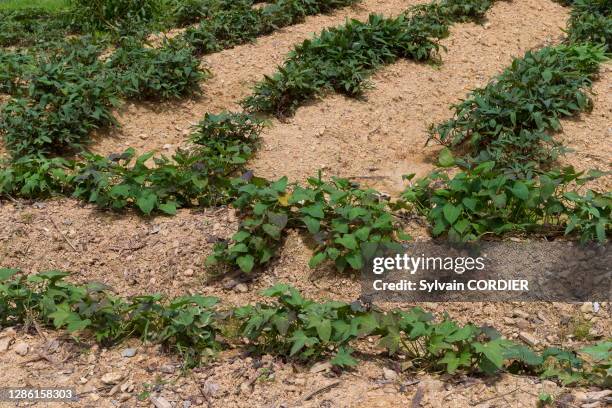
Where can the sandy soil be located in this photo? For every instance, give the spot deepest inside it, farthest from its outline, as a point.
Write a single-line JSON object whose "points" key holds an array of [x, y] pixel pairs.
{"points": [[380, 139], [376, 141], [238, 380], [589, 135]]}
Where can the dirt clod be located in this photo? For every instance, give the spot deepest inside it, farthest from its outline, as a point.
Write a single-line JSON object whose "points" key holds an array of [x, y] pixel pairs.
{"points": [[111, 378], [21, 348], [160, 402], [528, 338]]}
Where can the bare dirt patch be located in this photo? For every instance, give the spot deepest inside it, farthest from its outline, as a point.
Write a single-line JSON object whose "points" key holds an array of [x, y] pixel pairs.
{"points": [[239, 381]]}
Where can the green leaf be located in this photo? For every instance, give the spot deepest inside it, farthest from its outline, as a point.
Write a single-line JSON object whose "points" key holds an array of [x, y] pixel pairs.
{"points": [[404, 236], [266, 255], [279, 289], [241, 236], [391, 341], [499, 200], [572, 196], [451, 212], [470, 203], [281, 323], [278, 219], [312, 224], [332, 253], [545, 398], [184, 318], [315, 210], [324, 330], [300, 340], [520, 190], [301, 194], [340, 226], [272, 230], [446, 159], [537, 117], [354, 259], [493, 351], [61, 315], [168, 208], [259, 208], [317, 259], [438, 229], [600, 231], [78, 325], [362, 233], [348, 241], [6, 273], [343, 358], [140, 161], [524, 354], [280, 185], [238, 248], [462, 225], [451, 360], [365, 324], [357, 212], [246, 263], [461, 334], [204, 301], [547, 187], [146, 202], [51, 276], [600, 351], [120, 190]]}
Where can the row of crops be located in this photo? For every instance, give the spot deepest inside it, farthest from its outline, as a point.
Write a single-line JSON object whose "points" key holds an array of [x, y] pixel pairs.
{"points": [[290, 325], [62, 90], [496, 175], [211, 25]]}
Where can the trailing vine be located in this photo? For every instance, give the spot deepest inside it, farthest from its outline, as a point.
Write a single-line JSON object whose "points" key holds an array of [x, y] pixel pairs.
{"points": [[289, 326]]}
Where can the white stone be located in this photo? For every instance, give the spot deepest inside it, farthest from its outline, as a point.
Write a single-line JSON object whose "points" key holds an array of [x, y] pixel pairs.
{"points": [[389, 374], [160, 402], [241, 287], [111, 378], [317, 368], [587, 307], [21, 348], [528, 338]]}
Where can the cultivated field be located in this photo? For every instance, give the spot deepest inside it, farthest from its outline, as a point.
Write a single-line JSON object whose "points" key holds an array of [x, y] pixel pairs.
{"points": [[187, 186]]}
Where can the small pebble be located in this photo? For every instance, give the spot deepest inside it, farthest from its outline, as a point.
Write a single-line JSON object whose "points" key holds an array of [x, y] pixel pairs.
{"points": [[389, 374], [111, 378], [241, 287], [21, 348], [160, 402], [528, 338], [587, 307]]}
